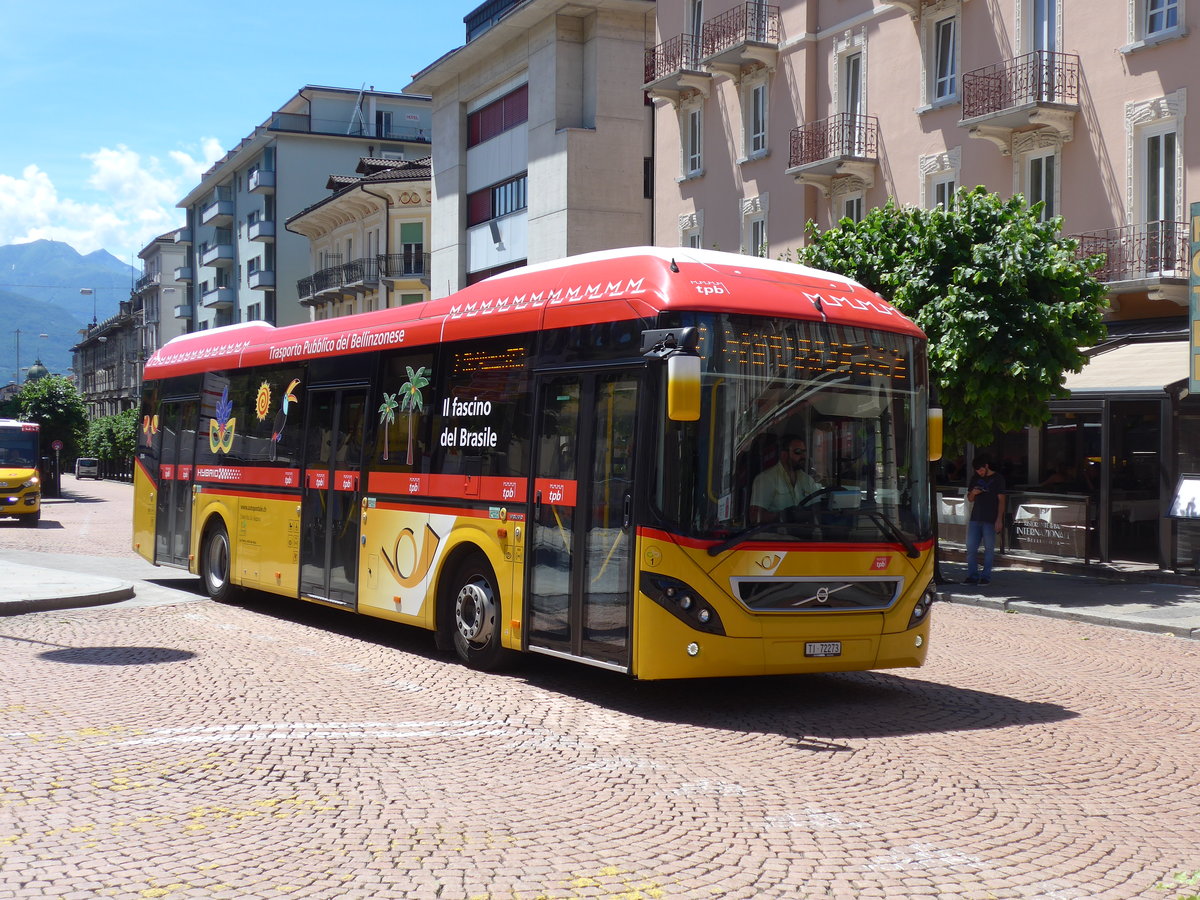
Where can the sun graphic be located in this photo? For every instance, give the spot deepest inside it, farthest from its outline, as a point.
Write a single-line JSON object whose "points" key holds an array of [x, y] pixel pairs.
{"points": [[262, 405]]}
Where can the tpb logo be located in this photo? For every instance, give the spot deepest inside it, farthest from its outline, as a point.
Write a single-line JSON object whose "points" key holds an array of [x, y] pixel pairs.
{"points": [[709, 288]]}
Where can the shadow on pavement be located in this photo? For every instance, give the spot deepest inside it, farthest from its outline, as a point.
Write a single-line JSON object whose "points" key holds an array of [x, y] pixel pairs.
{"points": [[116, 656], [814, 712]]}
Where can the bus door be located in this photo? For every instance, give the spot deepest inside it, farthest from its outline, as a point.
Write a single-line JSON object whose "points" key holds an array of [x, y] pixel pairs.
{"points": [[332, 495], [173, 506], [581, 585]]}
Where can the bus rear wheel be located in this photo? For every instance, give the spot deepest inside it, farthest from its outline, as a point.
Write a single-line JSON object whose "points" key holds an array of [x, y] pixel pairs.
{"points": [[215, 563], [473, 609]]}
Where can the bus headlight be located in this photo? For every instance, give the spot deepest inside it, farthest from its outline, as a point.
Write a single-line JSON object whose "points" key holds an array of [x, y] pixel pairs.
{"points": [[682, 602], [32, 482], [921, 611]]}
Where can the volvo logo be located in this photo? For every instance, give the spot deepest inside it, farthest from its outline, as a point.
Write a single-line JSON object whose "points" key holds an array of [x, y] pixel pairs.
{"points": [[822, 594]]}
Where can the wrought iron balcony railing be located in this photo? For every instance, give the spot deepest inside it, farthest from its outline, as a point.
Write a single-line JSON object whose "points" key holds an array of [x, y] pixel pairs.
{"points": [[362, 271], [1038, 77], [404, 265], [678, 54], [1139, 252], [750, 23], [841, 135]]}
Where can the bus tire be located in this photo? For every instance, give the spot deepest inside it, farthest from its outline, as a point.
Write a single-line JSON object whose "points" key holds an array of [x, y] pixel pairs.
{"points": [[471, 610], [31, 520], [215, 561]]}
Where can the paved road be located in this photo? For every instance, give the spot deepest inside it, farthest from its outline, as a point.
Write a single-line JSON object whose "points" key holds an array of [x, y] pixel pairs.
{"points": [[190, 749]]}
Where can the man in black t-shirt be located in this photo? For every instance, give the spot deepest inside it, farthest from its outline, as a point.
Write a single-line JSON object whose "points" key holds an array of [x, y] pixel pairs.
{"points": [[986, 495]]}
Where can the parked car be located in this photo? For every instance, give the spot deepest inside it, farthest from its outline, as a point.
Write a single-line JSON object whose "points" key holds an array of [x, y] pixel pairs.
{"points": [[87, 467]]}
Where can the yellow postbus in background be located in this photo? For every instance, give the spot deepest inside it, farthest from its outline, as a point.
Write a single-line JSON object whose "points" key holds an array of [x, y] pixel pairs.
{"points": [[20, 484], [584, 459]]}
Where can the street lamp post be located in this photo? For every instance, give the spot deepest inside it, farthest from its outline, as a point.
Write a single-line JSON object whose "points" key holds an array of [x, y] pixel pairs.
{"points": [[89, 292]]}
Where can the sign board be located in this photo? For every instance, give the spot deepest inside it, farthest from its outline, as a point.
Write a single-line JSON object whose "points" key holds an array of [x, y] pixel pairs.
{"points": [[1186, 502], [1194, 297], [1049, 524], [57, 445]]}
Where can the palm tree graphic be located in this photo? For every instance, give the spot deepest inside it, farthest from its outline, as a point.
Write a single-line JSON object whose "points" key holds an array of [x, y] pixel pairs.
{"points": [[387, 415], [412, 399]]}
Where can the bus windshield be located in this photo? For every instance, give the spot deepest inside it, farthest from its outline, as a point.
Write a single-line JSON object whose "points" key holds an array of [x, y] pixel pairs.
{"points": [[18, 448], [808, 431]]}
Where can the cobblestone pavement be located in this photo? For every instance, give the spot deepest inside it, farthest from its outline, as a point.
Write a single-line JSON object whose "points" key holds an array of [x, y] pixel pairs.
{"points": [[283, 750]]}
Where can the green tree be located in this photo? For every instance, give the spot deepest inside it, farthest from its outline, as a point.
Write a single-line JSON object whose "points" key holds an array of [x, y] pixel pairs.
{"points": [[55, 404], [1003, 297], [113, 438]]}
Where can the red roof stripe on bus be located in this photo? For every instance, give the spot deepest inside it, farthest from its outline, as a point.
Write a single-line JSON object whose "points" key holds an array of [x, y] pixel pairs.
{"points": [[598, 287]]}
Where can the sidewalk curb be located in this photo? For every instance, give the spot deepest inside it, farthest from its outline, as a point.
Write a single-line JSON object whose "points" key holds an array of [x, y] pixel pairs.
{"points": [[120, 591], [1028, 608]]}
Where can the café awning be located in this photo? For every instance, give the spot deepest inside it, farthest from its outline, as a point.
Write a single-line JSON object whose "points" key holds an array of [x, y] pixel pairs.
{"points": [[1136, 367]]}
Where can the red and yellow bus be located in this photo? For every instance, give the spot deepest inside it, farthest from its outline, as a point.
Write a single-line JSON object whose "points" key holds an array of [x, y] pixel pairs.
{"points": [[20, 484], [569, 459]]}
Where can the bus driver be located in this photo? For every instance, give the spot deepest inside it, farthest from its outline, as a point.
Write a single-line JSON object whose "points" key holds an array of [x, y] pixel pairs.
{"points": [[783, 485]]}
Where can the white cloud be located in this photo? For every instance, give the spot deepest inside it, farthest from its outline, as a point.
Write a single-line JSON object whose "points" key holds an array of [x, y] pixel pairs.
{"points": [[131, 201]]}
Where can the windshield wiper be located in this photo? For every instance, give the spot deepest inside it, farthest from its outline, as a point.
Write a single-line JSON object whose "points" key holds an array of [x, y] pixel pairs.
{"points": [[887, 526], [735, 539]]}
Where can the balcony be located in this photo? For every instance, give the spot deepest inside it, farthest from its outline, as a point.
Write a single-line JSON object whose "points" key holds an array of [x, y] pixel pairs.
{"points": [[1034, 91], [262, 231], [184, 274], [147, 281], [261, 181], [183, 236], [220, 255], [218, 298], [261, 280], [219, 212], [744, 36], [183, 311], [1149, 258], [306, 290], [303, 124], [842, 146], [361, 275], [673, 67], [405, 267]]}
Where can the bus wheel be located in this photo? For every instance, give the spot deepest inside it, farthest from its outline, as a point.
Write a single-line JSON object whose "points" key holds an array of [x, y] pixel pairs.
{"points": [[30, 520], [476, 616], [214, 565]]}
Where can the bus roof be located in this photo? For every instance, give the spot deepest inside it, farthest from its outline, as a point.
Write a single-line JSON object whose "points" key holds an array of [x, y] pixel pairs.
{"points": [[606, 286]]}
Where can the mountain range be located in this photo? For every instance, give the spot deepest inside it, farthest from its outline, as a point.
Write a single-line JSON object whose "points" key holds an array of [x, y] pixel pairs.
{"points": [[42, 313]]}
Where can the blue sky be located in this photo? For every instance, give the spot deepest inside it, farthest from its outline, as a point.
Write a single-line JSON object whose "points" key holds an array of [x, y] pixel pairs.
{"points": [[111, 111]]}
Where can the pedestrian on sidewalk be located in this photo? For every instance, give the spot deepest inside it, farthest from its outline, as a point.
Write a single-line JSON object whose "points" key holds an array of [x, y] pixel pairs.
{"points": [[985, 492]]}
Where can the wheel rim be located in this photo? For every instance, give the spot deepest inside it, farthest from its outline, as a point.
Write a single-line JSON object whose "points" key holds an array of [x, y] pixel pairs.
{"points": [[475, 612], [216, 568]]}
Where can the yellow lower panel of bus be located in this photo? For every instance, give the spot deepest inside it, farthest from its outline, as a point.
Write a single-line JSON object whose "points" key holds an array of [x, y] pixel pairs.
{"points": [[144, 514]]}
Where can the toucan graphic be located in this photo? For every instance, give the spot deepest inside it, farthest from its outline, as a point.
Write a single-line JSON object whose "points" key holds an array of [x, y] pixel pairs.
{"points": [[281, 416]]}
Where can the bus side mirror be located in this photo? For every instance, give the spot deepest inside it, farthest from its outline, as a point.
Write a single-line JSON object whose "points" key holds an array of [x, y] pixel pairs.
{"points": [[935, 434], [679, 347], [683, 388]]}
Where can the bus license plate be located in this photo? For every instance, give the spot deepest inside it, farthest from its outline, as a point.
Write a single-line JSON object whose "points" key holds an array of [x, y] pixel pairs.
{"points": [[823, 648]]}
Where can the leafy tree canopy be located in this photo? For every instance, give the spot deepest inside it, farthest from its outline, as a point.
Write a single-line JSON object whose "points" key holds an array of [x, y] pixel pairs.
{"points": [[113, 437], [1007, 305], [55, 404]]}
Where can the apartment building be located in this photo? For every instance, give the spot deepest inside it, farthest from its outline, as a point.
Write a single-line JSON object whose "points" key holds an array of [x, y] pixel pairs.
{"points": [[542, 136], [768, 116], [383, 209], [241, 263], [157, 295]]}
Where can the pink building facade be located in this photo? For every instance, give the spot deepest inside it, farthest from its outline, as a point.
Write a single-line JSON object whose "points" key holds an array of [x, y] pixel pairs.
{"points": [[769, 116]]}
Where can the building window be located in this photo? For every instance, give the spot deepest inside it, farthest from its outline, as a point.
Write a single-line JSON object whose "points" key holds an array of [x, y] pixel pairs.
{"points": [[1161, 16], [756, 120], [941, 191], [1040, 178], [758, 236], [945, 70], [691, 229], [1160, 154], [497, 200], [693, 159], [254, 312], [852, 207], [498, 116]]}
